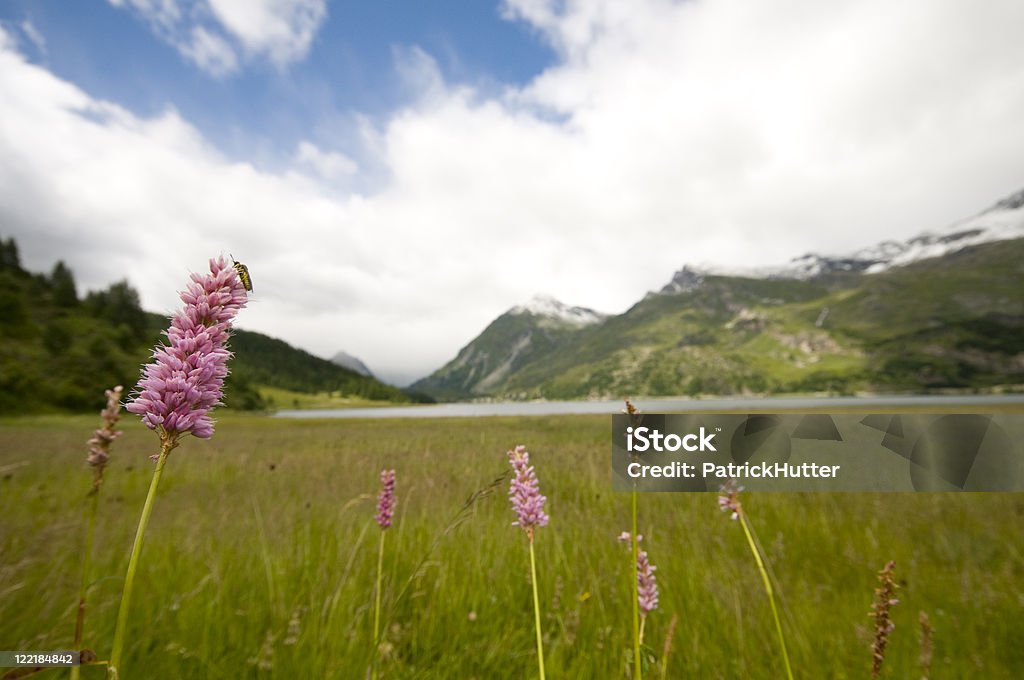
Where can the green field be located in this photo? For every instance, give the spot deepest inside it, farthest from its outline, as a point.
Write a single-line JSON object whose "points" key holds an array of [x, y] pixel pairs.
{"points": [[260, 559]]}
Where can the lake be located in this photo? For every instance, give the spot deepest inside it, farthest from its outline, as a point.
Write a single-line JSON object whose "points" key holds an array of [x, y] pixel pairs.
{"points": [[672, 405]]}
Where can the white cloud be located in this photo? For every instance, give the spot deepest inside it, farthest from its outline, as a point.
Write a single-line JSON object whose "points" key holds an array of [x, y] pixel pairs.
{"points": [[218, 35], [419, 73], [163, 13], [17, 33], [329, 166], [283, 29], [33, 34], [667, 133], [210, 52]]}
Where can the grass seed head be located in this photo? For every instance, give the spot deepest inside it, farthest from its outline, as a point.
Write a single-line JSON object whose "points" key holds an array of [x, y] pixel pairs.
{"points": [[885, 600], [926, 644]]}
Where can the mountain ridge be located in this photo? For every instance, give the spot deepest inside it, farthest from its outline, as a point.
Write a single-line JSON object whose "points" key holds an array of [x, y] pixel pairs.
{"points": [[522, 334], [353, 363], [548, 306], [1004, 220], [940, 310]]}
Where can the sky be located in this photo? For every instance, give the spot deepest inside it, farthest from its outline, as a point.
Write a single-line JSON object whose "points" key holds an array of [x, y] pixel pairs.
{"points": [[398, 173]]}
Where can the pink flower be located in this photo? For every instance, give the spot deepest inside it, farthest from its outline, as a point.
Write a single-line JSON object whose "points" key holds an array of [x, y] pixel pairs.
{"points": [[524, 492], [648, 584], [729, 501], [647, 591], [99, 445], [183, 384], [386, 500]]}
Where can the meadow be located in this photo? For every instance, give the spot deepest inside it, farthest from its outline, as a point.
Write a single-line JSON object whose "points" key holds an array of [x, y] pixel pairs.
{"points": [[260, 559]]}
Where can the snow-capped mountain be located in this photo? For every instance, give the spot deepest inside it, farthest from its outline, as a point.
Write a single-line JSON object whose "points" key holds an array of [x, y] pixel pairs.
{"points": [[1004, 220], [952, 320], [683, 281], [547, 306], [523, 334], [1013, 202]]}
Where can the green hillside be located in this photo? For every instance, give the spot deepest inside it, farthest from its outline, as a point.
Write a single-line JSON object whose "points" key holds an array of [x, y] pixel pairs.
{"points": [[58, 352], [954, 321], [949, 322], [510, 343], [270, 362]]}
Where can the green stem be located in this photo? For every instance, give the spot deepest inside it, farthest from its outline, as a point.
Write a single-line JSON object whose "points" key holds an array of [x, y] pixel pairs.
{"points": [[536, 609], [637, 671], [86, 560], [167, 443], [643, 622], [376, 606], [768, 589]]}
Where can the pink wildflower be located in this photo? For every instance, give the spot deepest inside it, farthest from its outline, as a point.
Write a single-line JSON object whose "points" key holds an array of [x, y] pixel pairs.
{"points": [[729, 501], [99, 445], [524, 492], [647, 583], [183, 384], [386, 500]]}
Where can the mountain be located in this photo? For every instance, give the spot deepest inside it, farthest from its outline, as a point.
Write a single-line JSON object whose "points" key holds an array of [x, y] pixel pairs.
{"points": [[548, 309], [521, 336], [269, 362], [683, 281], [59, 351], [1002, 221], [352, 363], [940, 310]]}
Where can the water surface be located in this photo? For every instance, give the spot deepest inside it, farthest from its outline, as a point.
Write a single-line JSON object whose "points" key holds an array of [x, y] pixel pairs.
{"points": [[674, 405]]}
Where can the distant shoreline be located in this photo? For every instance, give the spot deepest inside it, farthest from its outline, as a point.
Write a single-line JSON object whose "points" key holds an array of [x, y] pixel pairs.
{"points": [[984, 403]]}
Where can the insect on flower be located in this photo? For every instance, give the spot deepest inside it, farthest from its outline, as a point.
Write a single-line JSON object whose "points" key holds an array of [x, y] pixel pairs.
{"points": [[243, 274]]}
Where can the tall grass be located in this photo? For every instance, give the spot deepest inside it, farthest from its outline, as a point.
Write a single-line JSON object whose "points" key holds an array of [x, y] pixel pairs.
{"points": [[729, 501], [634, 541], [98, 458], [214, 600]]}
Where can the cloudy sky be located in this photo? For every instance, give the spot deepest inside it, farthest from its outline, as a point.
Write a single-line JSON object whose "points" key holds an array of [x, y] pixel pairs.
{"points": [[397, 174]]}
